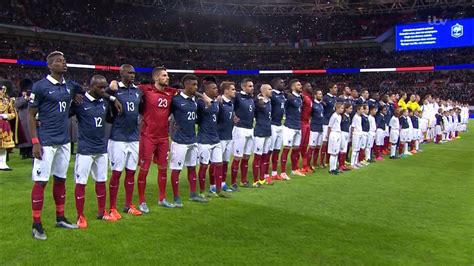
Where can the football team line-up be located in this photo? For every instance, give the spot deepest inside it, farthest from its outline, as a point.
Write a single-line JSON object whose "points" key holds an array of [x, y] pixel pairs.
{"points": [[229, 123]]}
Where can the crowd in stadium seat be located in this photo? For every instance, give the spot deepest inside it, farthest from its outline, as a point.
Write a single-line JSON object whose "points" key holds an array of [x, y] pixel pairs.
{"points": [[36, 49], [107, 18]]}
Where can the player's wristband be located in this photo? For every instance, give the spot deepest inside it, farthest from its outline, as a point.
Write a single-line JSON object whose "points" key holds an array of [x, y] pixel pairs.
{"points": [[112, 98], [35, 140]]}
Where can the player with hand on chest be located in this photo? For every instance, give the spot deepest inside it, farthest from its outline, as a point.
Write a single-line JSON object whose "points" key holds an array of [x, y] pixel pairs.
{"points": [[262, 134], [292, 129]]}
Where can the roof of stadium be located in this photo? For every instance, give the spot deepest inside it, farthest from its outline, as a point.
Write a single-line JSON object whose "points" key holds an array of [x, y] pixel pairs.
{"points": [[297, 7]]}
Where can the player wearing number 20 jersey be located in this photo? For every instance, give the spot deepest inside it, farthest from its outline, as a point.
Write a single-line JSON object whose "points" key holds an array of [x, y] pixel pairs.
{"points": [[184, 147]]}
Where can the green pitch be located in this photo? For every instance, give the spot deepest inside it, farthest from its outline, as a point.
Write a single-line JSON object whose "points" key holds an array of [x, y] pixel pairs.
{"points": [[417, 210]]}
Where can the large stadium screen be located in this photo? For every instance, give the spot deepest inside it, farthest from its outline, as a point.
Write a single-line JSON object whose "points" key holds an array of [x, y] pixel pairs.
{"points": [[435, 34]]}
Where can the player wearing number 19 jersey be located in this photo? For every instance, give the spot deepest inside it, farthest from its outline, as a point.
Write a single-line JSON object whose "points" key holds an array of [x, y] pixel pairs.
{"points": [[50, 99], [154, 143]]}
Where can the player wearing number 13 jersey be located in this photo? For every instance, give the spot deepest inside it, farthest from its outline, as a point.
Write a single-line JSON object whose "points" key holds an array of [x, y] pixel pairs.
{"points": [[123, 143], [154, 143]]}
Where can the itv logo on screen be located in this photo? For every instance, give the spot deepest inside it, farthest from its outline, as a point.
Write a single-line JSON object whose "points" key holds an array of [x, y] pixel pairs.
{"points": [[433, 20]]}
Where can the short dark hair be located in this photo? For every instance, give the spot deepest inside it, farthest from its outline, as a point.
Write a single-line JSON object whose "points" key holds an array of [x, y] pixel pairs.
{"points": [[347, 106], [157, 70], [364, 90], [372, 108], [189, 77], [245, 81], [275, 80], [316, 91], [290, 83]]}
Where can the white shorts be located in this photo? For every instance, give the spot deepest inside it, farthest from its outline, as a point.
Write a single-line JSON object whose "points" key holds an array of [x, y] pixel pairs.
{"points": [[356, 140], [371, 140], [405, 135], [277, 137], [432, 122], [243, 141], [262, 145], [334, 143], [387, 131], [379, 137], [363, 140], [394, 135], [410, 134], [55, 161], [438, 130], [227, 148], [421, 136], [183, 155], [210, 152], [414, 134], [123, 155], [291, 137], [423, 124], [95, 165], [315, 138], [325, 132], [344, 141]]}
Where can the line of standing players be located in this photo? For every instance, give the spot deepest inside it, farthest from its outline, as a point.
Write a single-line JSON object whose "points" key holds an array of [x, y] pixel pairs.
{"points": [[279, 118]]}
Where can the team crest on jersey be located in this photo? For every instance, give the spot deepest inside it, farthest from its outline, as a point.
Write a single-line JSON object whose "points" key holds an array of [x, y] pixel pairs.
{"points": [[68, 90], [138, 95]]}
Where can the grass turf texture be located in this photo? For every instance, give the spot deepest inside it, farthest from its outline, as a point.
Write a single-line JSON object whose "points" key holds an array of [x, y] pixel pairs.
{"points": [[417, 210]]}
